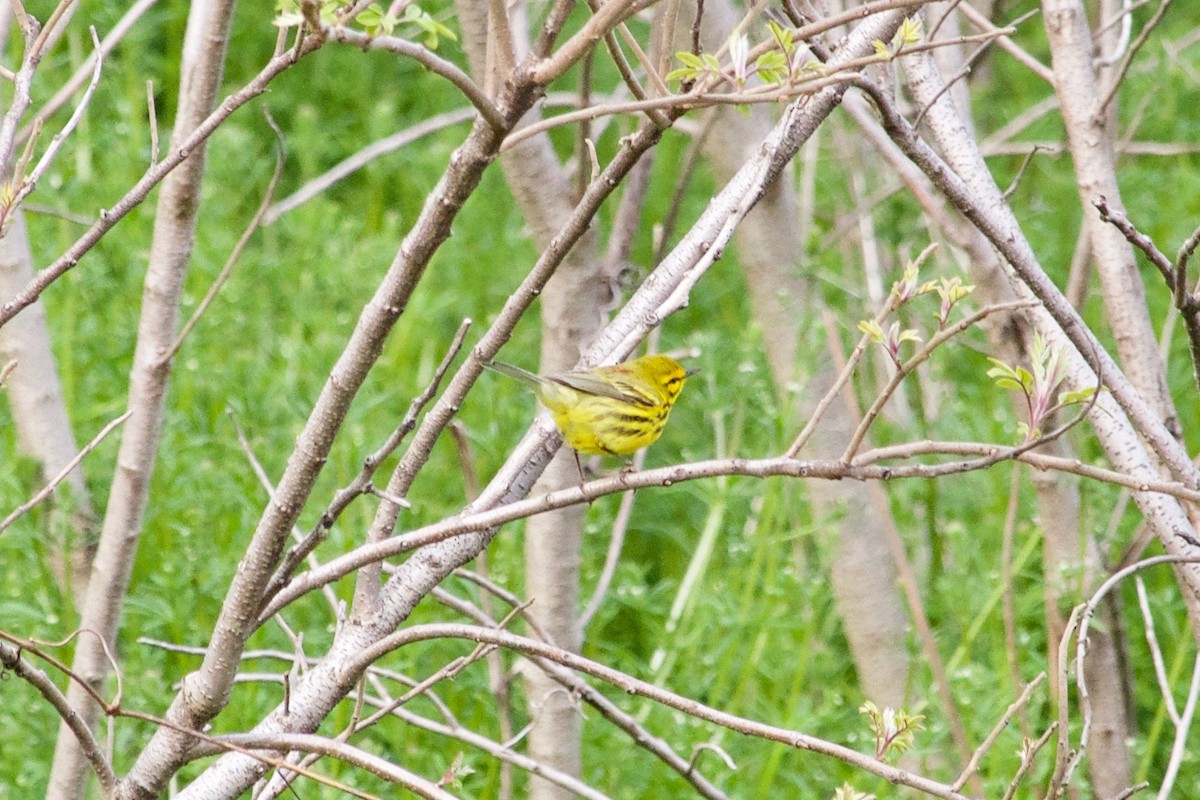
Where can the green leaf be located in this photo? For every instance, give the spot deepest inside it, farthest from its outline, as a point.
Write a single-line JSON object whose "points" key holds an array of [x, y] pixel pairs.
{"points": [[872, 329], [1076, 396], [783, 36], [848, 792], [434, 30], [909, 32], [1008, 377], [772, 66]]}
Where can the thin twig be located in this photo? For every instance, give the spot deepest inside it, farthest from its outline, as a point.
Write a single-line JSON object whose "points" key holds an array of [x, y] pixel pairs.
{"points": [[429, 60], [863, 469], [48, 489], [107, 45], [1007, 44], [1183, 726], [986, 745], [236, 253], [1175, 275], [1008, 604], [152, 118], [50, 32], [1141, 241], [30, 181], [265, 481], [1124, 18], [970, 60], [701, 98], [12, 662], [818, 413], [363, 157], [1118, 75], [59, 213], [1156, 656], [257, 747], [1025, 162], [362, 482], [36, 647], [906, 368], [1186, 250], [151, 178], [613, 556], [665, 232], [640, 688], [22, 84], [451, 729], [1029, 751], [1067, 760], [1072, 466]]}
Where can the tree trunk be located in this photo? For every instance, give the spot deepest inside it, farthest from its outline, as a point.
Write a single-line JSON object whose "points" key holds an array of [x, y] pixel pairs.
{"points": [[782, 298], [1058, 497], [571, 316], [171, 249], [40, 416]]}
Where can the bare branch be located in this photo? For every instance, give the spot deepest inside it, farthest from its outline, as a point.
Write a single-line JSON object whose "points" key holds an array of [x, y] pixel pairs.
{"points": [[986, 744], [11, 661], [364, 157], [636, 687], [1160, 670], [362, 482], [48, 489], [29, 183], [426, 58], [152, 177], [1068, 759], [1029, 751], [1179, 748], [1007, 44], [1138, 239], [1118, 75], [844, 375], [22, 82], [106, 46], [866, 467], [236, 253], [1175, 275], [152, 115], [619, 529]]}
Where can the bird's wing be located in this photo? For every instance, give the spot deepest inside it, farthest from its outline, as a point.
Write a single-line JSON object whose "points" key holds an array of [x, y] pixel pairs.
{"points": [[588, 384], [524, 376]]}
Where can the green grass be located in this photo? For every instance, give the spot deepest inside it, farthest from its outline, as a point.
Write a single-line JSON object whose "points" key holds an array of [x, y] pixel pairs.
{"points": [[762, 639]]}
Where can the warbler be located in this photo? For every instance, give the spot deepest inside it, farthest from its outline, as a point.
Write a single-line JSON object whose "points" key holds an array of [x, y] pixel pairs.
{"points": [[612, 410]]}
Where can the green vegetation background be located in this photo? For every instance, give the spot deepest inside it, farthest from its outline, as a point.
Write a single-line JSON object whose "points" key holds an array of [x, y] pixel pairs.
{"points": [[762, 639]]}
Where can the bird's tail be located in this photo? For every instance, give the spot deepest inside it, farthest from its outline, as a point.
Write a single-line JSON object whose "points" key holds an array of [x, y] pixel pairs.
{"points": [[524, 376]]}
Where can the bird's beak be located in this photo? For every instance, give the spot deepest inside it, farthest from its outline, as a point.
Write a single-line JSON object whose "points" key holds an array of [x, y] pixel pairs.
{"points": [[691, 372]]}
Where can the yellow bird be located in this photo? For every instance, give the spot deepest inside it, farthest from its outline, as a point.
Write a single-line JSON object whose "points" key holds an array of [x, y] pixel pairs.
{"points": [[608, 410]]}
